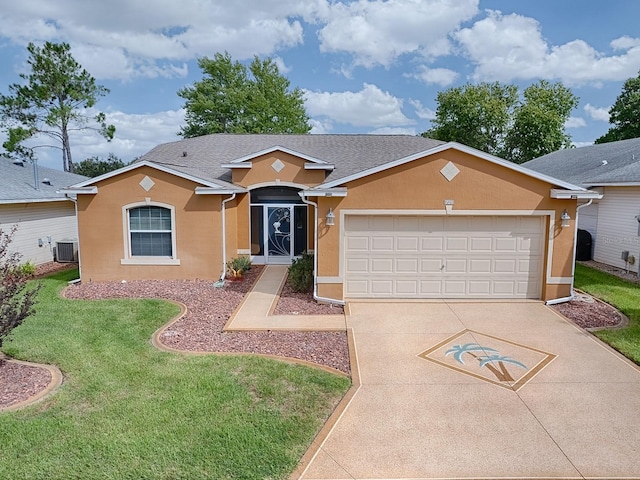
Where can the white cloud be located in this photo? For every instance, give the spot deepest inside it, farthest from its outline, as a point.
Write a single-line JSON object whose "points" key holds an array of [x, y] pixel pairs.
{"points": [[393, 131], [596, 113], [509, 47], [319, 127], [422, 111], [436, 76], [125, 38], [575, 122], [376, 32], [370, 107]]}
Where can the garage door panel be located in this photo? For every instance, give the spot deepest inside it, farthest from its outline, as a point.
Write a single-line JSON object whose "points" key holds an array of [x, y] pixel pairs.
{"points": [[444, 257]]}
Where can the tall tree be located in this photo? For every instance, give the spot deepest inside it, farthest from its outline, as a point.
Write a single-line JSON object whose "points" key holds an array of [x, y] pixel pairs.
{"points": [[51, 104], [233, 99], [96, 166], [475, 115], [494, 118], [539, 122], [624, 115]]}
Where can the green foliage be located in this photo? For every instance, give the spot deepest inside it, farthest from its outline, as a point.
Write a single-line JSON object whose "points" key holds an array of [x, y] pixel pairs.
{"points": [[95, 166], [232, 99], [624, 115], [16, 297], [28, 268], [238, 265], [51, 103], [301, 273], [129, 411], [492, 117]]}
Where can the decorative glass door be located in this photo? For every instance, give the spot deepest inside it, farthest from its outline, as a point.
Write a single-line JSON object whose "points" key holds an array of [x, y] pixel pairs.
{"points": [[278, 220]]}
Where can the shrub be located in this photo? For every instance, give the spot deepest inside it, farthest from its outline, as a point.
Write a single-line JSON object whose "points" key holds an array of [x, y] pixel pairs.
{"points": [[238, 265], [301, 273], [16, 297], [28, 268]]}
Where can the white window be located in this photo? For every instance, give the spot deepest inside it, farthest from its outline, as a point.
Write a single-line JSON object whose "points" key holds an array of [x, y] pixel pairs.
{"points": [[149, 234]]}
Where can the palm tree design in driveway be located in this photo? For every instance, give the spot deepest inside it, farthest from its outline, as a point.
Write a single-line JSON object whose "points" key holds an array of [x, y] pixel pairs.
{"points": [[488, 359]]}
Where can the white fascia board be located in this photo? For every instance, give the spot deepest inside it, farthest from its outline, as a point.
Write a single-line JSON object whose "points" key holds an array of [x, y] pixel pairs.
{"points": [[146, 163], [77, 190], [34, 200], [277, 148], [461, 148], [575, 194], [216, 191], [325, 192], [246, 165], [616, 184], [319, 166]]}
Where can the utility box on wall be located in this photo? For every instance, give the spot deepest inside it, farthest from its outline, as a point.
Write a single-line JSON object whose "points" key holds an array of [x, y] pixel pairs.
{"points": [[67, 251]]}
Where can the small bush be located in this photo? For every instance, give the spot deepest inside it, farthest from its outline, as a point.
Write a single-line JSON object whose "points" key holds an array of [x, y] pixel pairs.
{"points": [[238, 265], [28, 268], [301, 273]]}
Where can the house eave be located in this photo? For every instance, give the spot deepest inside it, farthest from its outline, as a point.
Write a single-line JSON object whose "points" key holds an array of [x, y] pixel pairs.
{"points": [[325, 192], [10, 201], [246, 165], [90, 190], [319, 166], [561, 194], [216, 191], [615, 184]]}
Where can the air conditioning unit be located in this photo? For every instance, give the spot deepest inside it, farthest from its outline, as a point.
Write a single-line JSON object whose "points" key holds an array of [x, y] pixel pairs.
{"points": [[67, 251]]}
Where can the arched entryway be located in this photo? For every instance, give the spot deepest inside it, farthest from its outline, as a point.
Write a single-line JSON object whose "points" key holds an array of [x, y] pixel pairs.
{"points": [[279, 222]]}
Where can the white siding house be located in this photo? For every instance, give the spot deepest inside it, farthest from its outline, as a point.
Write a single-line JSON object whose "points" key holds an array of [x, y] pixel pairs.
{"points": [[613, 221], [42, 216]]}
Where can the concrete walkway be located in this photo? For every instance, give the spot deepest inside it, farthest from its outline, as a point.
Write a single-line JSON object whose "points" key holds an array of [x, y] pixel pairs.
{"points": [[254, 313], [426, 406]]}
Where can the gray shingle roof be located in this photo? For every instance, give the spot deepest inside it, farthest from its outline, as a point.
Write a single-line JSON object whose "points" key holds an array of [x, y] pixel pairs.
{"points": [[615, 162], [17, 182], [349, 153]]}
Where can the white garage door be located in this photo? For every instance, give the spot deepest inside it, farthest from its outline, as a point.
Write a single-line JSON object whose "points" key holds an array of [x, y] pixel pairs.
{"points": [[443, 257]]}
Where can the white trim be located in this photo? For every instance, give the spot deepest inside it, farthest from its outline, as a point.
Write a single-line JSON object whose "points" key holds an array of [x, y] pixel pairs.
{"points": [[277, 148], [299, 186], [36, 200], [243, 251], [574, 194], [149, 261], [320, 279], [468, 213], [92, 190], [246, 165], [559, 281], [461, 148], [147, 163], [325, 192], [613, 184], [318, 166], [129, 259], [214, 191]]}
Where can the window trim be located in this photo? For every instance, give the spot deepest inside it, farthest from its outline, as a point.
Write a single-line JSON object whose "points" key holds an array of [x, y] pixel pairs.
{"points": [[129, 259]]}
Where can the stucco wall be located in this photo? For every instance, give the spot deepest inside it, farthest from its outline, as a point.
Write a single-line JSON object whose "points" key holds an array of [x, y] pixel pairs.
{"points": [[198, 228], [262, 172], [419, 186]]}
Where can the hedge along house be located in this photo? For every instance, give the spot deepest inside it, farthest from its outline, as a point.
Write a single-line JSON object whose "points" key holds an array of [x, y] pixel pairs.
{"points": [[386, 216]]}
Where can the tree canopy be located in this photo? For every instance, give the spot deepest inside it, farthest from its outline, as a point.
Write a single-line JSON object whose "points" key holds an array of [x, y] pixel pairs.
{"points": [[51, 103], [624, 115], [233, 99], [96, 166], [496, 119]]}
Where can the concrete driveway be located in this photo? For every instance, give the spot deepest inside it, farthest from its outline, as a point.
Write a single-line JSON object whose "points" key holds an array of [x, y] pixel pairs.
{"points": [[480, 390]]}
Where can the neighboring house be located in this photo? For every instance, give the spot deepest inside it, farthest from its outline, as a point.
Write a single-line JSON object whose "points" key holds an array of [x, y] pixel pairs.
{"points": [[32, 202], [396, 216], [612, 169]]}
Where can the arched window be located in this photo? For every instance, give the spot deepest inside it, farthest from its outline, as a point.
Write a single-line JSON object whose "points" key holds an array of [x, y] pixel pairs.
{"points": [[149, 234]]}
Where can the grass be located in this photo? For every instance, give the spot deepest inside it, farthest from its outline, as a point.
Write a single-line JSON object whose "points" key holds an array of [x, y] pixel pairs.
{"points": [[129, 411], [623, 295]]}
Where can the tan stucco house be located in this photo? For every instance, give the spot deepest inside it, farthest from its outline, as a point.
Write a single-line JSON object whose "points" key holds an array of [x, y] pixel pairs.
{"points": [[386, 216]]}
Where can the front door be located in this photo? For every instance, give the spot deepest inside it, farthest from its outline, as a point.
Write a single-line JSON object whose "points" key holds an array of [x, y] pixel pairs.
{"points": [[278, 239]]}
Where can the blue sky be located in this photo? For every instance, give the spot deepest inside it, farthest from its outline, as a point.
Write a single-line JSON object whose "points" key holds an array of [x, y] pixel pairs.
{"points": [[366, 66]]}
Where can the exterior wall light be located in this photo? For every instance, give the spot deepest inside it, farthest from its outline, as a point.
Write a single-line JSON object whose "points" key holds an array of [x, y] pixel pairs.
{"points": [[331, 218], [565, 219]]}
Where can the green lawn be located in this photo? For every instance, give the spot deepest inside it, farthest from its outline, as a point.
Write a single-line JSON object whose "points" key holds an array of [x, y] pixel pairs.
{"points": [[129, 411], [623, 295]]}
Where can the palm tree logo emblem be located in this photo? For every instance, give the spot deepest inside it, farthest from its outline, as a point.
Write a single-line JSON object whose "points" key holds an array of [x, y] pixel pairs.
{"points": [[487, 357]]}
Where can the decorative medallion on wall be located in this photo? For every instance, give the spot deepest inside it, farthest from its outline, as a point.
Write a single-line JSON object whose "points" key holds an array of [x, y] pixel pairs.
{"points": [[147, 183], [449, 171], [277, 165], [492, 359]]}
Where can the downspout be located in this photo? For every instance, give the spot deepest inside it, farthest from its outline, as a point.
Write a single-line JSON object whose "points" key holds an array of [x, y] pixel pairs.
{"points": [[316, 297], [573, 265], [75, 203], [224, 235]]}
